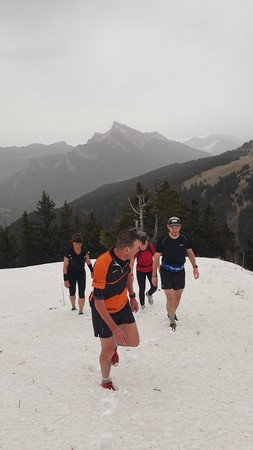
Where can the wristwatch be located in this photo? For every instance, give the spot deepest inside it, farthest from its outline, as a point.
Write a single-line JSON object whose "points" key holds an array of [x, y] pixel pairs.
{"points": [[195, 267], [132, 295]]}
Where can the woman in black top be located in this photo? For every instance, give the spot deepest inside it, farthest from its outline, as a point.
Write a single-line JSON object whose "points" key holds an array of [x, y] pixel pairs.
{"points": [[74, 261]]}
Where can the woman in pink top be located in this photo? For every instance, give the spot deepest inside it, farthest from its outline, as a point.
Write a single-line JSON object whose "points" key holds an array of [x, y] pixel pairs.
{"points": [[144, 265]]}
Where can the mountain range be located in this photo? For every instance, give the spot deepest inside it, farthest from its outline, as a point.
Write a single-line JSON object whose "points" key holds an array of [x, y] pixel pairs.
{"points": [[119, 154], [114, 161], [214, 143], [16, 159]]}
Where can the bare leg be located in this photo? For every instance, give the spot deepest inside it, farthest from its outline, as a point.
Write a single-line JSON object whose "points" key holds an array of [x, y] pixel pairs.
{"points": [[178, 295], [173, 300], [108, 347], [81, 302], [107, 352]]}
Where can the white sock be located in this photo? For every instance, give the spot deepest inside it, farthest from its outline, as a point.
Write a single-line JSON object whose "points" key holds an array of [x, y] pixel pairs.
{"points": [[106, 380]]}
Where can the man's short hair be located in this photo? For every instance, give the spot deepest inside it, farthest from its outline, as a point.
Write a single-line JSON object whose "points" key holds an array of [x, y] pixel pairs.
{"points": [[127, 238]]}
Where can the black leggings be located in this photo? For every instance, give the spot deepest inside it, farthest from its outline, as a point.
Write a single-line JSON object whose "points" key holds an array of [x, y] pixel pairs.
{"points": [[80, 279], [141, 278]]}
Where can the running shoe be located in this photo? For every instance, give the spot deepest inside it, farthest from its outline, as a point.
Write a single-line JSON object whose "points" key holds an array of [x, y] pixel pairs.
{"points": [[73, 308], [150, 298], [115, 358], [108, 385], [175, 317]]}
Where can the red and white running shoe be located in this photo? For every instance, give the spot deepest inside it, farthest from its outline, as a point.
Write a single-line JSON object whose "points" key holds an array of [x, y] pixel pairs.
{"points": [[109, 386]]}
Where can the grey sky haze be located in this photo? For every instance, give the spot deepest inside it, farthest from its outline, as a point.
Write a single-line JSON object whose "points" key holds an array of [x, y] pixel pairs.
{"points": [[70, 68]]}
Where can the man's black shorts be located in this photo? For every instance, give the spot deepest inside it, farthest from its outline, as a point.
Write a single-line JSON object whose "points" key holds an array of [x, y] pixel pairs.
{"points": [[172, 280], [101, 330]]}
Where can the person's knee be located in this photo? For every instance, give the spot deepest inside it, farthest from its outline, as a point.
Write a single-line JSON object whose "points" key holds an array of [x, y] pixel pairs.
{"points": [[108, 353]]}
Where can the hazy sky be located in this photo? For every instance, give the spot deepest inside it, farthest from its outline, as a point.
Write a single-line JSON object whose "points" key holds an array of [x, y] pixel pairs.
{"points": [[68, 68]]}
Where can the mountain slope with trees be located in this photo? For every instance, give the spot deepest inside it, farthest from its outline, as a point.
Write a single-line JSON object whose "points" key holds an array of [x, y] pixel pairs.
{"points": [[145, 202], [43, 235], [229, 193]]}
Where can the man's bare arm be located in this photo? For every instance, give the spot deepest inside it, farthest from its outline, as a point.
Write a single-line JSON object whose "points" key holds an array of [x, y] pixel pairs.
{"points": [[156, 264]]}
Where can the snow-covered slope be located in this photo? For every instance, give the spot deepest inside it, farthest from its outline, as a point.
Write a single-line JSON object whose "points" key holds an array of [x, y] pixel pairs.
{"points": [[189, 390]]}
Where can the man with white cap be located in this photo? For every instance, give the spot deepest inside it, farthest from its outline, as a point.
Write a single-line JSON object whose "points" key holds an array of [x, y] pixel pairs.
{"points": [[173, 247]]}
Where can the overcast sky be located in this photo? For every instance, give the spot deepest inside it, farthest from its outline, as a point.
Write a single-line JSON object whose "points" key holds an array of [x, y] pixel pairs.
{"points": [[68, 68]]}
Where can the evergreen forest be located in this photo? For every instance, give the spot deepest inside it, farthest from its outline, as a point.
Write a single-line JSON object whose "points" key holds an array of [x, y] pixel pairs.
{"points": [[43, 236]]}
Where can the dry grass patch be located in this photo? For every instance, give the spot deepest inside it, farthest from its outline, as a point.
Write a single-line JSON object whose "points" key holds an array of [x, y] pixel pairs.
{"points": [[213, 175]]}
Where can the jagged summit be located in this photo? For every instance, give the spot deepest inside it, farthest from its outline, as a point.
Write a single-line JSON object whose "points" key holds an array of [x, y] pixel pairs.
{"points": [[122, 132], [117, 125], [126, 129]]}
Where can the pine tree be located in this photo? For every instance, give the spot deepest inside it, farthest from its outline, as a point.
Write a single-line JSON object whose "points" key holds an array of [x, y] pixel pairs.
{"points": [[28, 249], [91, 235], [192, 225], [45, 210], [66, 228], [8, 250], [164, 204], [46, 231], [78, 225], [227, 241], [193, 216], [107, 238], [209, 234]]}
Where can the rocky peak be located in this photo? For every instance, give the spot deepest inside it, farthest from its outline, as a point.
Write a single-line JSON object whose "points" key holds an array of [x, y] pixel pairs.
{"points": [[120, 133]]}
